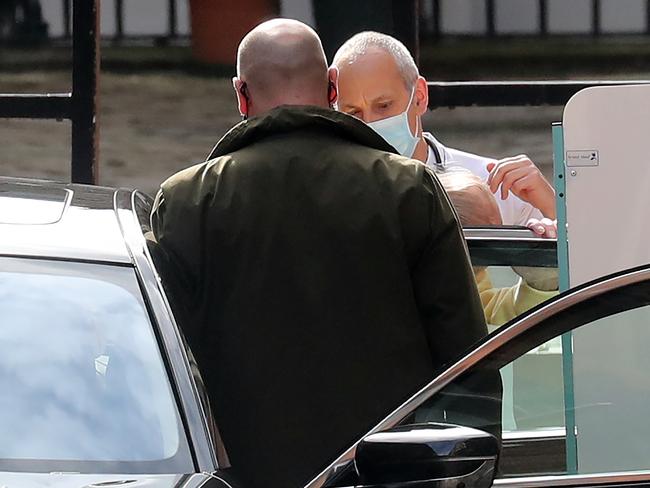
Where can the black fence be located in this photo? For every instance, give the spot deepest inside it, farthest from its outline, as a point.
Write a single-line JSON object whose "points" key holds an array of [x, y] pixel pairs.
{"points": [[119, 13], [431, 25], [431, 16], [510, 94], [80, 105]]}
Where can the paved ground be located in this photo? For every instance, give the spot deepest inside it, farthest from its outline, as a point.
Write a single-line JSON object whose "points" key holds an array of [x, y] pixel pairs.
{"points": [[151, 126], [155, 124]]}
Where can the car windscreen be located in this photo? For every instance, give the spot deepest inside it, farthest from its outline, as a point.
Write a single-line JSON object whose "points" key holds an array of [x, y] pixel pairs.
{"points": [[84, 385]]}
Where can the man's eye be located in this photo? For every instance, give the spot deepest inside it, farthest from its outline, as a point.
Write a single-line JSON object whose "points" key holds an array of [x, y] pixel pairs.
{"points": [[384, 105], [354, 113]]}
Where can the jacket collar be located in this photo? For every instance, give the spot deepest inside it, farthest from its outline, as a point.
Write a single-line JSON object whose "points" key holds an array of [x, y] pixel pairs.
{"points": [[289, 118]]}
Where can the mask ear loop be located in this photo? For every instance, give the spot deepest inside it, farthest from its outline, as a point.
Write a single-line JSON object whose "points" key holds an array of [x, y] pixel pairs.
{"points": [[411, 98], [417, 126], [417, 119]]}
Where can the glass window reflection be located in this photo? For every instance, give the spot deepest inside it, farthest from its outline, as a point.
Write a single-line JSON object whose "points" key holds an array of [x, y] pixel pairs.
{"points": [[80, 368]]}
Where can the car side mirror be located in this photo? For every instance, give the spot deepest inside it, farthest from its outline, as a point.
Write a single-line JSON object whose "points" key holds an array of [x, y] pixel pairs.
{"points": [[431, 454]]}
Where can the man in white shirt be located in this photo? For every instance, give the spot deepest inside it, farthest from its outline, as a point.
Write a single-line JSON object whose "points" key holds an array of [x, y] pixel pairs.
{"points": [[379, 83]]}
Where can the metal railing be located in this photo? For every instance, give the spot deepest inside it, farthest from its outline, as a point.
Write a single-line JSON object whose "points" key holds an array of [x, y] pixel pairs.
{"points": [[431, 27], [435, 28], [510, 93], [80, 105], [119, 14]]}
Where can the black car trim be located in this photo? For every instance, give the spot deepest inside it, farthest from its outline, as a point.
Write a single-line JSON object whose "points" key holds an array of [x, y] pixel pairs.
{"points": [[167, 361], [533, 453], [509, 246]]}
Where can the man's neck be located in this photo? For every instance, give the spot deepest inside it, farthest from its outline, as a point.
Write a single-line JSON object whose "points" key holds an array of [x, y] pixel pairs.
{"points": [[421, 150]]}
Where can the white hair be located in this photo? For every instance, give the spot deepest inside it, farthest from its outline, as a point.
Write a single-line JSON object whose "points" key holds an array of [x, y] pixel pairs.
{"points": [[359, 44], [471, 197]]}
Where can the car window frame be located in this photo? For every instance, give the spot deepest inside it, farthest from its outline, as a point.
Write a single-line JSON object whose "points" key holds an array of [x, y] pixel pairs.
{"points": [[519, 333], [509, 246], [207, 449], [503, 247]]}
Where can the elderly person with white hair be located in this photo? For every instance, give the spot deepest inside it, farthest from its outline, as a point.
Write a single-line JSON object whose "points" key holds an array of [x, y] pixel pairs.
{"points": [[379, 83], [476, 206]]}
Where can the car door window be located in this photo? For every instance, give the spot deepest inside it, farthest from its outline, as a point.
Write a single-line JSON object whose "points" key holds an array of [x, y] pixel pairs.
{"points": [[578, 413], [514, 270]]}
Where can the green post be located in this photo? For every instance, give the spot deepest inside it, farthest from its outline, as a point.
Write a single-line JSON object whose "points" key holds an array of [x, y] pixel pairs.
{"points": [[563, 268]]}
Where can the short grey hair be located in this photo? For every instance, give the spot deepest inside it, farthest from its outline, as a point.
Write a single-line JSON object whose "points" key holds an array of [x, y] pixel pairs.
{"points": [[359, 44]]}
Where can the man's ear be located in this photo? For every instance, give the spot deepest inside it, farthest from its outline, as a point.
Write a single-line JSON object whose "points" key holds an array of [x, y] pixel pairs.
{"points": [[242, 96], [333, 86], [421, 95]]}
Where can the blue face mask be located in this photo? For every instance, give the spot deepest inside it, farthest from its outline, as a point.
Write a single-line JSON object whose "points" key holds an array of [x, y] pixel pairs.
{"points": [[397, 132]]}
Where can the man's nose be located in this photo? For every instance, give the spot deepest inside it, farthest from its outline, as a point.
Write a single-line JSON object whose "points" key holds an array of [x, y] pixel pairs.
{"points": [[372, 117], [364, 115]]}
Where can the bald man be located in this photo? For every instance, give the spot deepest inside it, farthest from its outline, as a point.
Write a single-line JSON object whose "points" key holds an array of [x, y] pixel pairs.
{"points": [[319, 279]]}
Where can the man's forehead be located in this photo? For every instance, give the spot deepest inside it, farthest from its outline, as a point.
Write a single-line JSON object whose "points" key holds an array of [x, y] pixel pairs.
{"points": [[371, 75], [371, 60]]}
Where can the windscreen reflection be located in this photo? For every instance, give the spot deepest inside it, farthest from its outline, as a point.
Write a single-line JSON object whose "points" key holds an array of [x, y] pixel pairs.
{"points": [[80, 370]]}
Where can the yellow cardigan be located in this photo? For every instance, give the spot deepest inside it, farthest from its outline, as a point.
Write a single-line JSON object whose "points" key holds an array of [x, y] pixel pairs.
{"points": [[501, 305]]}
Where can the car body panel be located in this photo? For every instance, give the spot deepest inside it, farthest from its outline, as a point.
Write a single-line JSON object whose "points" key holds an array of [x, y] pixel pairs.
{"points": [[73, 480], [99, 225], [86, 229]]}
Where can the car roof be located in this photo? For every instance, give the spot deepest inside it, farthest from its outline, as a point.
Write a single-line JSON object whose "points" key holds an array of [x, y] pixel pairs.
{"points": [[61, 221]]}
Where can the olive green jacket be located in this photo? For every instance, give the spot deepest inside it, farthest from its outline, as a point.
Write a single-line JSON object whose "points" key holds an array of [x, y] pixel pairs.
{"points": [[319, 279]]}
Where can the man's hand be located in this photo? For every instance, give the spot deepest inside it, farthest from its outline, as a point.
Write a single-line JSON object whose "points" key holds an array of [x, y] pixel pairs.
{"points": [[520, 176], [544, 279], [543, 228]]}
